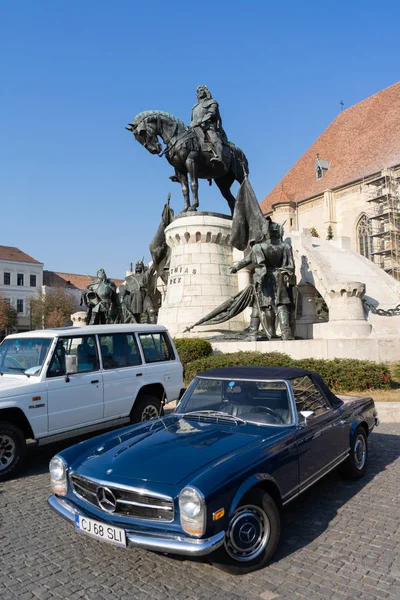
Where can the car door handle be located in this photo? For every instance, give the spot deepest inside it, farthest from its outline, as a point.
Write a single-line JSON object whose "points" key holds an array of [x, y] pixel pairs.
{"points": [[139, 374], [95, 381]]}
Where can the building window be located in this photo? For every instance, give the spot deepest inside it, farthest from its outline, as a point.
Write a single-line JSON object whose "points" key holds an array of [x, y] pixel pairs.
{"points": [[32, 281], [364, 241], [7, 278], [20, 279], [20, 306], [319, 173]]}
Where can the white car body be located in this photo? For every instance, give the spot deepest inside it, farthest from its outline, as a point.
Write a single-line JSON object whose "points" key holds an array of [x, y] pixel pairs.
{"points": [[48, 408]]}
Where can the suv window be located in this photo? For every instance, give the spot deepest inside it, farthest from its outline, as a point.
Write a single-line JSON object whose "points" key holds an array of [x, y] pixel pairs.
{"points": [[156, 347], [119, 350], [308, 396], [83, 348]]}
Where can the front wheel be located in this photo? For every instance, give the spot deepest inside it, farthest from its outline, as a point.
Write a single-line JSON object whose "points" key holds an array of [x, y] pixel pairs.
{"points": [[12, 449], [355, 465], [146, 407], [252, 535]]}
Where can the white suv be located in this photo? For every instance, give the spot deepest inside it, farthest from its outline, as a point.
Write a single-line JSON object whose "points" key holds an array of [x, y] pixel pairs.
{"points": [[60, 383]]}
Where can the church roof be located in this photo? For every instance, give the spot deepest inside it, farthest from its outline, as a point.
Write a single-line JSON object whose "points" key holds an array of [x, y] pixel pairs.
{"points": [[15, 254], [361, 141]]}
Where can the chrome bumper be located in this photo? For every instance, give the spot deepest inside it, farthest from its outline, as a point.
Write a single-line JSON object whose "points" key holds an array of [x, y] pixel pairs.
{"points": [[173, 544]]}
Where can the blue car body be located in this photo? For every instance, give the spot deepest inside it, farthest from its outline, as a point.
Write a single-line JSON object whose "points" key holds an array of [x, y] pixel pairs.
{"points": [[221, 459]]}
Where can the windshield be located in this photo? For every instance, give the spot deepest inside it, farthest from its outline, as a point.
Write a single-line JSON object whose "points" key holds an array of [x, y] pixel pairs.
{"points": [[18, 355], [261, 402]]}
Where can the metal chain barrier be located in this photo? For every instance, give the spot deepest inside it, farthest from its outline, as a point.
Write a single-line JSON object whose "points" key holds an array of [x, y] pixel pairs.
{"points": [[391, 312]]}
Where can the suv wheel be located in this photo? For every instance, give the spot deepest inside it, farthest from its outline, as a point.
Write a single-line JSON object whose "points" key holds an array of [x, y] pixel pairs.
{"points": [[146, 407], [252, 535], [12, 449]]}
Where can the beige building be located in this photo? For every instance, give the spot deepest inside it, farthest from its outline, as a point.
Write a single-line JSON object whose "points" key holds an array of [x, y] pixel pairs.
{"points": [[21, 278], [347, 182]]}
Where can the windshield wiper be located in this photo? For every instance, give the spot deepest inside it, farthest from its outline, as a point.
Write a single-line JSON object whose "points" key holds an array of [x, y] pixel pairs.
{"points": [[22, 369], [213, 413]]}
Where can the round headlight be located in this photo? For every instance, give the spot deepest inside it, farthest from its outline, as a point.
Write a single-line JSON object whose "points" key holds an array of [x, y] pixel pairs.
{"points": [[190, 502], [57, 468]]}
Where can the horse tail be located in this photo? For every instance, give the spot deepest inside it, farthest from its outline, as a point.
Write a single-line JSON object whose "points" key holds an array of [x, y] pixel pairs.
{"points": [[240, 165]]}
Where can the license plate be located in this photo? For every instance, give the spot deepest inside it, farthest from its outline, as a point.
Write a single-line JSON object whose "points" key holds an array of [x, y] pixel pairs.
{"points": [[101, 531]]}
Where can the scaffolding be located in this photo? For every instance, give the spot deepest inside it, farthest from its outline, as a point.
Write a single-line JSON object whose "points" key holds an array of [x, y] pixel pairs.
{"points": [[383, 195]]}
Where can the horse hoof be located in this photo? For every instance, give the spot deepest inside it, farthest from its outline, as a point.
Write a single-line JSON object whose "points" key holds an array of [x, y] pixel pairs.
{"points": [[192, 208]]}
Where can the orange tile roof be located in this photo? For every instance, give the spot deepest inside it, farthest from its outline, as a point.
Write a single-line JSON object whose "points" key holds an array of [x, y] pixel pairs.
{"points": [[15, 254], [361, 141], [71, 280]]}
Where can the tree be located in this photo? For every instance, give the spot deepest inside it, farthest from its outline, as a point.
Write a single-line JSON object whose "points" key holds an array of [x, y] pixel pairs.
{"points": [[314, 232], [8, 316], [52, 308], [330, 233]]}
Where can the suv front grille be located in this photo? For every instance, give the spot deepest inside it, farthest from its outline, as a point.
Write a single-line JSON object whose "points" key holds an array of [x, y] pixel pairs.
{"points": [[123, 501]]}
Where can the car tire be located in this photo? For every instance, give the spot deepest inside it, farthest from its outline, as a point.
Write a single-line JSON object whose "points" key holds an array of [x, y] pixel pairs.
{"points": [[146, 407], [12, 449], [355, 465], [257, 514]]}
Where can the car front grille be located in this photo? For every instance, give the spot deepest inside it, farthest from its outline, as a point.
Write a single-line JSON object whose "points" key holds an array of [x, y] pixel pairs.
{"points": [[123, 501]]}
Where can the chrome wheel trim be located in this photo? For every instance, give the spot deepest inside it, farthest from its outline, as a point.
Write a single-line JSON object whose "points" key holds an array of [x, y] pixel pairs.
{"points": [[242, 517], [149, 412], [360, 452], [7, 451]]}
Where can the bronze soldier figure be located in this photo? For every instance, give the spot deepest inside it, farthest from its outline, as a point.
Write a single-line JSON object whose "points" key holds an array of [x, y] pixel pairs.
{"points": [[206, 115], [140, 287], [100, 298], [274, 278]]}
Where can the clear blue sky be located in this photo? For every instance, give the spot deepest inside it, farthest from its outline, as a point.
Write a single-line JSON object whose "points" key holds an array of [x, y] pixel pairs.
{"points": [[77, 191]]}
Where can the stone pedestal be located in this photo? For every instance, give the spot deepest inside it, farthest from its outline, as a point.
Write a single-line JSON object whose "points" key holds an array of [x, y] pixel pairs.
{"points": [[346, 313], [199, 278], [79, 318]]}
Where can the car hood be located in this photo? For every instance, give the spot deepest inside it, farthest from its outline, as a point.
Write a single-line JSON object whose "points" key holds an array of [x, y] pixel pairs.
{"points": [[165, 450], [11, 386]]}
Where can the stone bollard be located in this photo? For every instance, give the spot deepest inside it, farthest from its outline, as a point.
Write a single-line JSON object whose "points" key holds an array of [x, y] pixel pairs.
{"points": [[346, 312], [79, 318]]}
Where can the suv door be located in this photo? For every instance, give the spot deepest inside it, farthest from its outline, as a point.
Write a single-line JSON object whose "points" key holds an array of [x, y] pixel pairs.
{"points": [[162, 364], [122, 372], [75, 398]]}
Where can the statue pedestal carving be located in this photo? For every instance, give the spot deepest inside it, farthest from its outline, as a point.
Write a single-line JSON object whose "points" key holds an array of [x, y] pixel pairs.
{"points": [[199, 278]]}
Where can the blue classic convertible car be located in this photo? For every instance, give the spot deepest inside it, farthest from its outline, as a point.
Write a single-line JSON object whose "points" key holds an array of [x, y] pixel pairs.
{"points": [[211, 477]]}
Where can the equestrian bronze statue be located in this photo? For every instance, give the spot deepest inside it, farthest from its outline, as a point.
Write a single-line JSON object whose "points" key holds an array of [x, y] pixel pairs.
{"points": [[200, 151]]}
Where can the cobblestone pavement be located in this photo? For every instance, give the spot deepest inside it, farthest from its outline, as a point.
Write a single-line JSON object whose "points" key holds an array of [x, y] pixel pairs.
{"points": [[340, 540]]}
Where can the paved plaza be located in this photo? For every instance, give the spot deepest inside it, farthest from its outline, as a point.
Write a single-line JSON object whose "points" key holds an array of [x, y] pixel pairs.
{"points": [[340, 540]]}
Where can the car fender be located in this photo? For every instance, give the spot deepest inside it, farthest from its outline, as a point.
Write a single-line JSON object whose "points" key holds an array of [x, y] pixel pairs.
{"points": [[359, 420], [255, 480]]}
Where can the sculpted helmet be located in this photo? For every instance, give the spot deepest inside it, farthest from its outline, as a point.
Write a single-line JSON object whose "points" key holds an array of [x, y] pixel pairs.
{"points": [[139, 266], [205, 88]]}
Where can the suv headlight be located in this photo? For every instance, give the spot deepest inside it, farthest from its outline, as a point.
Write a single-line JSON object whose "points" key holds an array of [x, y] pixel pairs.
{"points": [[58, 473], [192, 511]]}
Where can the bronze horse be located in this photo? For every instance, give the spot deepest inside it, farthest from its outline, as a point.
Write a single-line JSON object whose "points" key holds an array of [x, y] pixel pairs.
{"points": [[189, 153]]}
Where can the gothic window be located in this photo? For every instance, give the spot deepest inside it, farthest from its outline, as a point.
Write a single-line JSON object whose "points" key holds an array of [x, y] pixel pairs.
{"points": [[364, 241]]}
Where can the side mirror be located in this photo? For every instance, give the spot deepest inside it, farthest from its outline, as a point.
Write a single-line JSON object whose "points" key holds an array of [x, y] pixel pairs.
{"points": [[71, 365], [306, 414]]}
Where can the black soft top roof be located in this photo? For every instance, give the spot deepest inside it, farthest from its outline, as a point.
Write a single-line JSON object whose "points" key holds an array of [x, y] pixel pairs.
{"points": [[257, 373]]}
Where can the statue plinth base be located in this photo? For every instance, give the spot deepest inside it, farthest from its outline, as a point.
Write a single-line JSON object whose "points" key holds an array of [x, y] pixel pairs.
{"points": [[199, 278]]}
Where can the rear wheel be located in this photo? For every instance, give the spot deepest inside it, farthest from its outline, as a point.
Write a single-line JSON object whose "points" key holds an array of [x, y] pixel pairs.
{"points": [[146, 407], [355, 465], [252, 535], [12, 449]]}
